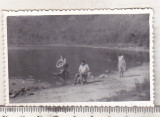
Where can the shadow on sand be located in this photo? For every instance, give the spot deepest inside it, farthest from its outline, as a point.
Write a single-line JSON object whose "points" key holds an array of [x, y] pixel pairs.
{"points": [[94, 81]]}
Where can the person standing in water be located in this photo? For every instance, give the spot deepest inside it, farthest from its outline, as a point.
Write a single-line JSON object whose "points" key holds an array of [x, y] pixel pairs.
{"points": [[61, 62], [62, 66], [121, 65]]}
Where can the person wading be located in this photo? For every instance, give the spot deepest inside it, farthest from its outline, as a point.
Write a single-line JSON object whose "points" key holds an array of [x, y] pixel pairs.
{"points": [[62, 66]]}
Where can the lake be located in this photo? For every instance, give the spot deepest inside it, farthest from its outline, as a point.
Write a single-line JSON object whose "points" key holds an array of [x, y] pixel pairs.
{"points": [[39, 62]]}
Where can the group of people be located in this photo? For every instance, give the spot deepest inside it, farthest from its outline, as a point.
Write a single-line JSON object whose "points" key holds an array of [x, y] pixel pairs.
{"points": [[82, 75]]}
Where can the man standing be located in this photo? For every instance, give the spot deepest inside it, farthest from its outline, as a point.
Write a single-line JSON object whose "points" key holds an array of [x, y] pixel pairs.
{"points": [[121, 65]]}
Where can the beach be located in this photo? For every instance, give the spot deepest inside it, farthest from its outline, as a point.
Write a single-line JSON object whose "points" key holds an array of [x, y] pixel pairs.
{"points": [[134, 86]]}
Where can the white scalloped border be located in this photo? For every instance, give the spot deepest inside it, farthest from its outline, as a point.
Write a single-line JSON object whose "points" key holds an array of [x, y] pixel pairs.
{"points": [[10, 12]]}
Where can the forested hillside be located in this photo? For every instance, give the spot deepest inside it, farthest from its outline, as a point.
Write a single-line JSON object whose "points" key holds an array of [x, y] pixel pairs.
{"points": [[99, 30]]}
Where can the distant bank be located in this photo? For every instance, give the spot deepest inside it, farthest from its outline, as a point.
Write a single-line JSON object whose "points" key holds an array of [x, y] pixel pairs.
{"points": [[137, 49]]}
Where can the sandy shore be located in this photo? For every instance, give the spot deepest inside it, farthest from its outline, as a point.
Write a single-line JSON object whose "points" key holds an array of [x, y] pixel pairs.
{"points": [[134, 86]]}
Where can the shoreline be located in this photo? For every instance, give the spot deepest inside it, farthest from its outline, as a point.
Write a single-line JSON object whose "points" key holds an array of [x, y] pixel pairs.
{"points": [[105, 89], [137, 49]]}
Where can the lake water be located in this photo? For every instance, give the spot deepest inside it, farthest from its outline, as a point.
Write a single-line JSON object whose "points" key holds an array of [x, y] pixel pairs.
{"points": [[40, 62]]}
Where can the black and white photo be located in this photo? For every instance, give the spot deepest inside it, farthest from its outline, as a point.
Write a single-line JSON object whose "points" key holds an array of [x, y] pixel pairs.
{"points": [[79, 57]]}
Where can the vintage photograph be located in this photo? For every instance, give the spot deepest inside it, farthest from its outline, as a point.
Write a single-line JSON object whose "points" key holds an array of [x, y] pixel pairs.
{"points": [[79, 58]]}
